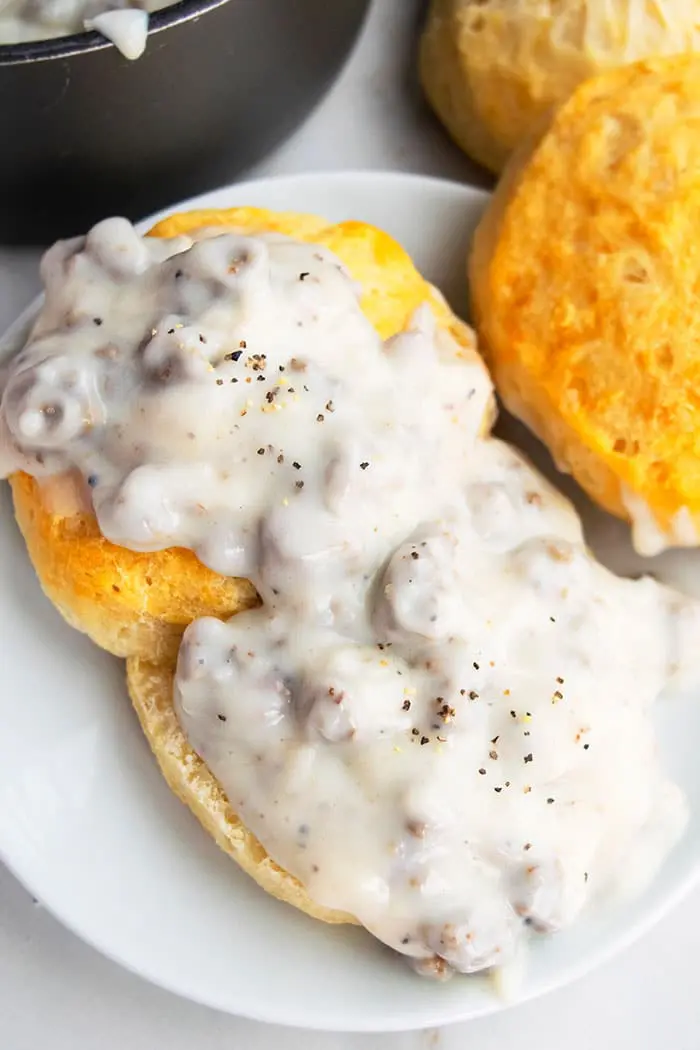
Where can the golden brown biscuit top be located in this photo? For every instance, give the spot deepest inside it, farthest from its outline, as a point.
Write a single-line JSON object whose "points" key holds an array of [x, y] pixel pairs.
{"points": [[594, 275]]}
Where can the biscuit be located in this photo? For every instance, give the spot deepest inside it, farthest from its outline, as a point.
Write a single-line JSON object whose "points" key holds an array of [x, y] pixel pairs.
{"points": [[494, 69], [136, 604], [584, 279]]}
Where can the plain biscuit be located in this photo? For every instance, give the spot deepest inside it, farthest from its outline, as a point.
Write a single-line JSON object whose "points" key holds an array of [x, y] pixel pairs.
{"points": [[584, 279], [493, 70]]}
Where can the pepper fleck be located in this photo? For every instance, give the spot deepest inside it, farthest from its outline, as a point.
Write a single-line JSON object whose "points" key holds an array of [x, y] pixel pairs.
{"points": [[222, 718], [297, 466], [303, 276], [363, 466], [407, 705], [300, 484], [527, 758], [415, 732], [498, 790], [97, 320], [415, 555], [550, 801], [320, 417], [424, 740], [482, 771], [261, 451]]}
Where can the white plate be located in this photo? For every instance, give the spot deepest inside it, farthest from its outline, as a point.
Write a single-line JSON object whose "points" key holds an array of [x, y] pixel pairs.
{"points": [[90, 828]]}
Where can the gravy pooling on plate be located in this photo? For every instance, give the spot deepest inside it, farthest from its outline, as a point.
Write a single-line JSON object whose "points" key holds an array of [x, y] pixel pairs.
{"points": [[439, 720]]}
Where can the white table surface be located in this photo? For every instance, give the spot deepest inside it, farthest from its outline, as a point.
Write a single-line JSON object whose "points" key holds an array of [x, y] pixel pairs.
{"points": [[58, 994]]}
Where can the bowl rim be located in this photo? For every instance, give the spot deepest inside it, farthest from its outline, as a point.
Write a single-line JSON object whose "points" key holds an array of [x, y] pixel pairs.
{"points": [[61, 47]]}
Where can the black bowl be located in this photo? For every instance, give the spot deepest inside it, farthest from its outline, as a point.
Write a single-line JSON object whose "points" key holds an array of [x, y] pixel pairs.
{"points": [[86, 133]]}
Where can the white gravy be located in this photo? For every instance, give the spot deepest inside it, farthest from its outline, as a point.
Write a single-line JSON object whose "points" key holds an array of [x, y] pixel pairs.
{"points": [[648, 538], [124, 22], [439, 721]]}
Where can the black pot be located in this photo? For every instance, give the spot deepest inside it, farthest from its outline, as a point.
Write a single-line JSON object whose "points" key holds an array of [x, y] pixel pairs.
{"points": [[86, 133]]}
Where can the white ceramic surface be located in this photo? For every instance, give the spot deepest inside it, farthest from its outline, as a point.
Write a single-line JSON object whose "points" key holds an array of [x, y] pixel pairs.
{"points": [[87, 824]]}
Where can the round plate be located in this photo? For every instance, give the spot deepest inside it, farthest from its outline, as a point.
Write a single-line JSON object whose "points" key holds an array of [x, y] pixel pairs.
{"points": [[88, 825]]}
